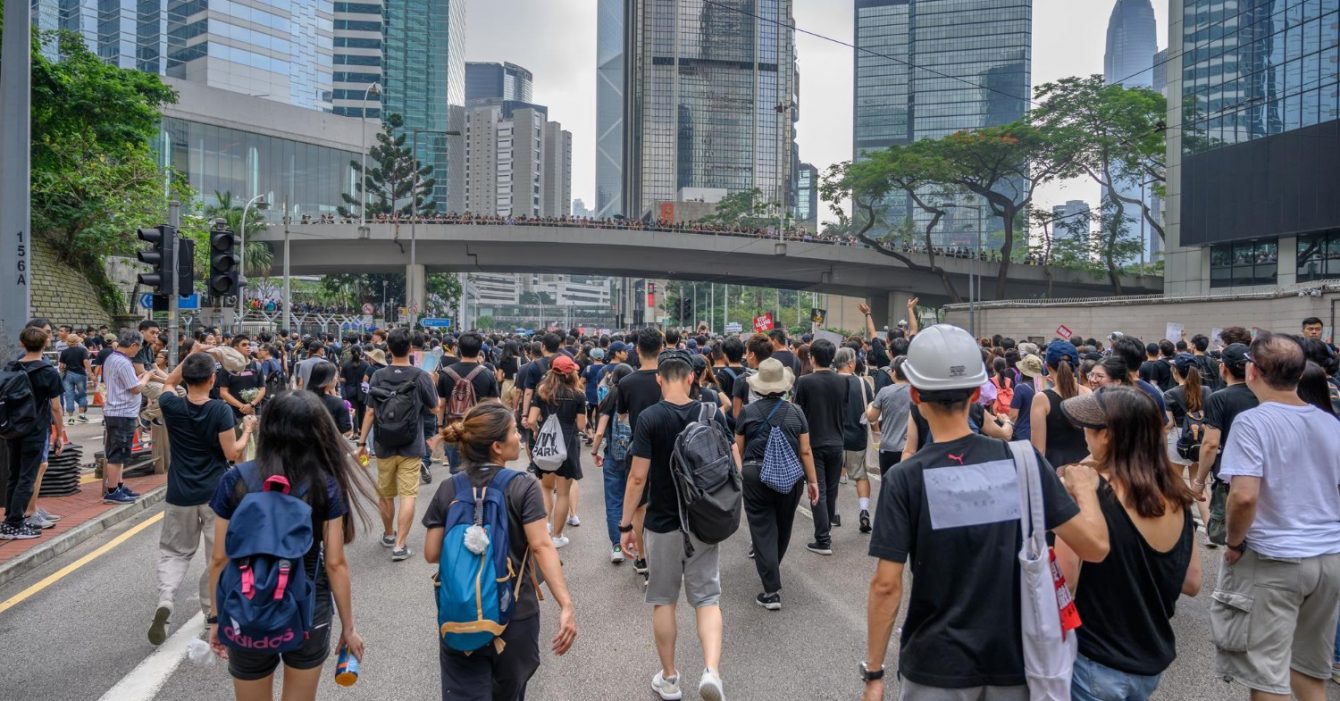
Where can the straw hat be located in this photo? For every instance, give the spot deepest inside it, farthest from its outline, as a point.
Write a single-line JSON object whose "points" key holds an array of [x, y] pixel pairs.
{"points": [[1030, 366], [772, 378], [377, 356]]}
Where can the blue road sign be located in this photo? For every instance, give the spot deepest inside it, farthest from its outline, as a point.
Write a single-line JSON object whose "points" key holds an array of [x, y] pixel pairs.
{"points": [[183, 304], [436, 323]]}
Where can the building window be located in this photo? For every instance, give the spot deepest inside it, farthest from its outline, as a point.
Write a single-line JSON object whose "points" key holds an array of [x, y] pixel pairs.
{"points": [[1244, 263], [1319, 256]]}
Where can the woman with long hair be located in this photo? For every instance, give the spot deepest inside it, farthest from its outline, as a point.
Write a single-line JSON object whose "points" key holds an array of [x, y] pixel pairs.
{"points": [[1188, 398], [1051, 434], [611, 455], [298, 441], [488, 439], [1315, 389], [322, 383], [1127, 600], [352, 373], [561, 393]]}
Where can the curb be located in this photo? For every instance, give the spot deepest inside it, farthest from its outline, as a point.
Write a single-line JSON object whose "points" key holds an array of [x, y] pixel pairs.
{"points": [[49, 550]]}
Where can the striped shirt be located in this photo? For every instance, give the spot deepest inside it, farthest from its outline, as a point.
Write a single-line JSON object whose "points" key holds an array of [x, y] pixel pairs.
{"points": [[120, 377]]}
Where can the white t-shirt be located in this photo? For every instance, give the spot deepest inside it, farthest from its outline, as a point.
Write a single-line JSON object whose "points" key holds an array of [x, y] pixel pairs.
{"points": [[1295, 450]]}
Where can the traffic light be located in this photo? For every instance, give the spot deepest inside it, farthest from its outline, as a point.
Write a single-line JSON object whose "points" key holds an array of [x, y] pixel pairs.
{"points": [[185, 267], [162, 252], [222, 262]]}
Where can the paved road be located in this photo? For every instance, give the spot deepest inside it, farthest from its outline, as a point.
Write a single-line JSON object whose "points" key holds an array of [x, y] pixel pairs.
{"points": [[85, 633]]}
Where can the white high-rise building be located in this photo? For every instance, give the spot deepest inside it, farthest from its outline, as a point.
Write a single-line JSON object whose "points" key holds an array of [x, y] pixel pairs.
{"points": [[557, 179]]}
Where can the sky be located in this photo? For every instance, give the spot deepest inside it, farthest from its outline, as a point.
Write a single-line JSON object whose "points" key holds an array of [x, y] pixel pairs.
{"points": [[556, 41]]}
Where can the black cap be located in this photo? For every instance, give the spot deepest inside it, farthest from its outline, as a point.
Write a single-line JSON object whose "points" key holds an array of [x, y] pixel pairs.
{"points": [[1236, 356]]}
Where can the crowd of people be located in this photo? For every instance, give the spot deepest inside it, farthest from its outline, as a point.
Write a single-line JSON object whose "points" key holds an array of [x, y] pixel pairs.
{"points": [[1122, 450]]}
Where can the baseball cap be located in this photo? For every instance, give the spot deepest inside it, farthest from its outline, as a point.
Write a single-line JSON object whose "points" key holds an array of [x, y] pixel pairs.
{"points": [[598, 353], [1235, 355], [618, 347], [564, 364], [1061, 351]]}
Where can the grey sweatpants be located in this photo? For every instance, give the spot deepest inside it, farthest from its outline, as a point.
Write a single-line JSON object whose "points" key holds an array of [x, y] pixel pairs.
{"points": [[182, 528]]}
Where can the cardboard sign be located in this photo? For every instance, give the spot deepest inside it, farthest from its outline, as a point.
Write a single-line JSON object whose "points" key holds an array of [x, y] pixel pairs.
{"points": [[1064, 332], [834, 338], [763, 324]]}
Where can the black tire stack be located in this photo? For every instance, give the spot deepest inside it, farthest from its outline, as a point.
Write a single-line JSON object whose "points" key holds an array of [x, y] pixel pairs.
{"points": [[63, 472]]}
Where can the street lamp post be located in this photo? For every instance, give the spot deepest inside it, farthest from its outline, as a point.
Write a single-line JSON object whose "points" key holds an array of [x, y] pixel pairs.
{"points": [[974, 277], [376, 89], [259, 202]]}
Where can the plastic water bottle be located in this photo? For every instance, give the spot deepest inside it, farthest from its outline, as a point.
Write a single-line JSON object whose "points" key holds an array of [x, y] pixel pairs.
{"points": [[346, 668]]}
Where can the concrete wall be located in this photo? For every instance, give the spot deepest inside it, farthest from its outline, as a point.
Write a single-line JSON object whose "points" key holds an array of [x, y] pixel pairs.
{"points": [[61, 293], [1148, 319]]}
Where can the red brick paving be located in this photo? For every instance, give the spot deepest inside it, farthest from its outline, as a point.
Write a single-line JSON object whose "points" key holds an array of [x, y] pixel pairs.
{"points": [[77, 509]]}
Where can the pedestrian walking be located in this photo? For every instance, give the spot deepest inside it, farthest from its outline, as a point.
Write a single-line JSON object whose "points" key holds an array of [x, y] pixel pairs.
{"points": [[120, 413], [822, 396], [31, 375], [609, 449], [487, 440], [1059, 441], [478, 382], [891, 410], [74, 365], [561, 394], [856, 432], [1221, 411]]}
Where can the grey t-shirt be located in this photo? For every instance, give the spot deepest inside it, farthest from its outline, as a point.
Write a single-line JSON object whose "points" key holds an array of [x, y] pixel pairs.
{"points": [[303, 370], [894, 403]]}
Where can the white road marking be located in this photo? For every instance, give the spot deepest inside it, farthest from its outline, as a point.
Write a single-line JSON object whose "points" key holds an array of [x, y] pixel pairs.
{"points": [[143, 682]]}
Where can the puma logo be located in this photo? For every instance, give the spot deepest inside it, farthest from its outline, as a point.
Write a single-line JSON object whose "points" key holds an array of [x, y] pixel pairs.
{"points": [[956, 458]]}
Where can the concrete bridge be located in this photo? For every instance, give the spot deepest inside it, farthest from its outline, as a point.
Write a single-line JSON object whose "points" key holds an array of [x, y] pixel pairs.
{"points": [[852, 270]]}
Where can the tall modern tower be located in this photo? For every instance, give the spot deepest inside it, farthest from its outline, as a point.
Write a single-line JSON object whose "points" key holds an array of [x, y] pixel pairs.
{"points": [[926, 69], [423, 75], [610, 75], [498, 81], [1129, 61], [358, 58], [708, 100]]}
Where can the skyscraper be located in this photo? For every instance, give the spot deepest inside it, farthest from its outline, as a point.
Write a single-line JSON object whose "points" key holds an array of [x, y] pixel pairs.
{"points": [[500, 81], [423, 75], [708, 99], [807, 196], [1129, 62], [610, 76], [358, 58], [557, 178], [926, 69]]}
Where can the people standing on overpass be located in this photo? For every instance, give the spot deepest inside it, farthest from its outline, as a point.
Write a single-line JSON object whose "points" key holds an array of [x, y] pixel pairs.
{"points": [[961, 637], [822, 396]]}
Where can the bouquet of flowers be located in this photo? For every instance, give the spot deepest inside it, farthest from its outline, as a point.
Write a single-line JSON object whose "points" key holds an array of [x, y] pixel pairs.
{"points": [[248, 395]]}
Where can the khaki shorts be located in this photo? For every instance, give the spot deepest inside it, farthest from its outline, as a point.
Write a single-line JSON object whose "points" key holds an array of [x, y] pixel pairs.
{"points": [[1269, 616], [398, 476], [853, 461]]}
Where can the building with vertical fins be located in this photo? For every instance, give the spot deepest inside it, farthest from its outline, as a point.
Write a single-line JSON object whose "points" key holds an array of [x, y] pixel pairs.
{"points": [[1129, 61]]}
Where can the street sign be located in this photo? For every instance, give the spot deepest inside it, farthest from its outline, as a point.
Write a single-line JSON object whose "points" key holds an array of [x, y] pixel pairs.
{"points": [[1064, 332], [763, 323], [184, 303], [436, 323]]}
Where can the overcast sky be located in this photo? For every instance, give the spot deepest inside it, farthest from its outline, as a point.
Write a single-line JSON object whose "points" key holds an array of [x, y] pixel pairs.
{"points": [[556, 40]]}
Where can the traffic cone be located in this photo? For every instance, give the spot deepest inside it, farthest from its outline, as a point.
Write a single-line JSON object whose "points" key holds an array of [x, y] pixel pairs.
{"points": [[97, 396], [136, 446]]}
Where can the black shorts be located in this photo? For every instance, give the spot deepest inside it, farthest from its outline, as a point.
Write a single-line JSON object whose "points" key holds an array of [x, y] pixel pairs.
{"points": [[250, 666], [486, 675], [117, 438]]}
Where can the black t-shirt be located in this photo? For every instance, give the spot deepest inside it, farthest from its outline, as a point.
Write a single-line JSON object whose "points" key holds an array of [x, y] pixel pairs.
{"points": [[353, 374], [1175, 398], [239, 384], [73, 359], [525, 504], [103, 355], [1157, 373], [486, 382], [856, 434], [46, 382], [788, 359], [638, 391], [193, 440], [726, 377], [145, 357], [753, 425], [962, 627], [654, 439], [393, 376], [567, 406], [509, 368], [1223, 407], [822, 395], [532, 373], [337, 410]]}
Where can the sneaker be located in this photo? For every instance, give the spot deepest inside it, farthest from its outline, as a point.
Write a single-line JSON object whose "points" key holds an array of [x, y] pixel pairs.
{"points": [[388, 541], [667, 689], [574, 521], [820, 548], [69, 421], [20, 532], [47, 514], [709, 687], [158, 629], [424, 475], [83, 418], [399, 554], [616, 555], [117, 496], [125, 488], [771, 602], [750, 554], [561, 541], [865, 521], [39, 523], [837, 520], [640, 565]]}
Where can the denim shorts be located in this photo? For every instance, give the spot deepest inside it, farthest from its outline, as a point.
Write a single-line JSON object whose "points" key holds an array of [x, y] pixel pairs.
{"points": [[1096, 682]]}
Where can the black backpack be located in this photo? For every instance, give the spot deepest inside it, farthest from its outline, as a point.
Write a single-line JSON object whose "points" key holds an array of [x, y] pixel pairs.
{"points": [[18, 407], [1193, 433], [707, 485], [1209, 372], [397, 415]]}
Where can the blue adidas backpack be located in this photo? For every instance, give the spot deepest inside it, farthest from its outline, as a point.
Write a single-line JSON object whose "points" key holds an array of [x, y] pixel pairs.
{"points": [[265, 600], [475, 594]]}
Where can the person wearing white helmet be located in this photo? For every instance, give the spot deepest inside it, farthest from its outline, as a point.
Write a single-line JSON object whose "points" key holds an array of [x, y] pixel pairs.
{"points": [[950, 513]]}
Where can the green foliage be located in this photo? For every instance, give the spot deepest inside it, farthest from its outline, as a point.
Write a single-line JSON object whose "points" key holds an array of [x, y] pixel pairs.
{"points": [[259, 256], [351, 290], [485, 323], [747, 209], [395, 182]]}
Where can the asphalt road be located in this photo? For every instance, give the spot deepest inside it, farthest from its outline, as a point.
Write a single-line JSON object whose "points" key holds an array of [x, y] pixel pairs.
{"points": [[84, 634]]}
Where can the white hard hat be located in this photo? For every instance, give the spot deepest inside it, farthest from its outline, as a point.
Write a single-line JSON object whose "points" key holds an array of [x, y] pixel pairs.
{"points": [[944, 357]]}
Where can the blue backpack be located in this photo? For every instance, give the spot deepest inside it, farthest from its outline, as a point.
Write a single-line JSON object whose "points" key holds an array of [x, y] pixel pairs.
{"points": [[475, 597], [265, 599], [781, 468]]}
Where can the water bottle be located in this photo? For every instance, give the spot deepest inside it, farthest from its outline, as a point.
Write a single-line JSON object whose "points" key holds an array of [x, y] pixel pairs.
{"points": [[346, 668]]}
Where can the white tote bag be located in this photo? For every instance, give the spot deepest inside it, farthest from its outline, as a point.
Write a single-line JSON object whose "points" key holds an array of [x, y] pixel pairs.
{"points": [[1049, 652], [551, 449]]}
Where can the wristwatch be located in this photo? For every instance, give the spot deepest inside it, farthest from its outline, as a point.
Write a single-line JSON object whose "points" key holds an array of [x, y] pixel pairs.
{"points": [[626, 529], [211, 620], [1240, 548], [869, 675]]}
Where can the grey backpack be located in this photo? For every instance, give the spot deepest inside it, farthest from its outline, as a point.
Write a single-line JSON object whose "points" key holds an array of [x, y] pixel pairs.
{"points": [[707, 485]]}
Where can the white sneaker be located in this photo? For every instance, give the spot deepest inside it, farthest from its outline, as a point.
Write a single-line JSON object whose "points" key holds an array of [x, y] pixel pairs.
{"points": [[561, 541], [668, 689], [709, 688], [574, 521]]}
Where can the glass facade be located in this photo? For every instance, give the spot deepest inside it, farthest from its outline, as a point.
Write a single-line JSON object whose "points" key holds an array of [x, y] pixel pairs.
{"points": [[610, 77], [1319, 256], [1131, 44], [807, 194], [217, 160], [1244, 263], [358, 58], [713, 86], [424, 74], [1255, 68], [497, 81]]}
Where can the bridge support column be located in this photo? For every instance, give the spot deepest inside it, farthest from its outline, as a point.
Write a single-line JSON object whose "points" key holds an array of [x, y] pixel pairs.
{"points": [[416, 290]]}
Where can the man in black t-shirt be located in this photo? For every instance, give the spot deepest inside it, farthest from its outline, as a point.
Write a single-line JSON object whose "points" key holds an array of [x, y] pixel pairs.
{"points": [[781, 351], [533, 373], [144, 360], [639, 391], [654, 438], [201, 441], [822, 395], [28, 454], [757, 350], [485, 383], [951, 513], [733, 349], [74, 364], [1223, 407], [243, 390]]}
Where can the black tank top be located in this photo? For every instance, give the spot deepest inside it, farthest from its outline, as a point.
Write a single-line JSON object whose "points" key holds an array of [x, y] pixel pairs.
{"points": [[1065, 441], [1126, 602]]}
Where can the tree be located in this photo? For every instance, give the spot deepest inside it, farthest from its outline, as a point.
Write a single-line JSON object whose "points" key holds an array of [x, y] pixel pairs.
{"points": [[396, 183], [486, 323], [352, 290], [1116, 136], [1063, 242], [746, 209]]}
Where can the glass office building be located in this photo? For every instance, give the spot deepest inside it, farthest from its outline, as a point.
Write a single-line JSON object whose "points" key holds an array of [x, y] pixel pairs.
{"points": [[709, 102], [610, 77], [925, 69], [1129, 61], [423, 75], [497, 81], [358, 58], [1256, 178]]}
